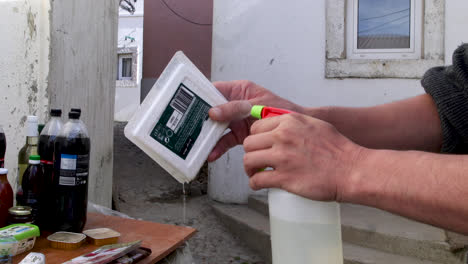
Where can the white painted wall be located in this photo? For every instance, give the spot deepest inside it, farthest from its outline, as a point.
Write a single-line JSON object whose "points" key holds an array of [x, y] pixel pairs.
{"points": [[127, 99], [82, 74], [281, 45], [456, 22], [60, 56], [24, 68]]}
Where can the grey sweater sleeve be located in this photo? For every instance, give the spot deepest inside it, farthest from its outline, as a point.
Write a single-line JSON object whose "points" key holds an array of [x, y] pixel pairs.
{"points": [[448, 86]]}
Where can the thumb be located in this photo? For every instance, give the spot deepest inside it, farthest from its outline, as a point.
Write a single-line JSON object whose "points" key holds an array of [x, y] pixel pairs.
{"points": [[231, 111]]}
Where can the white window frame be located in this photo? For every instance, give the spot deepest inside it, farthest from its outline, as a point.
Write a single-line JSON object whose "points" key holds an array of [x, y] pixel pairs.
{"points": [[340, 65], [414, 52], [121, 57], [127, 52]]}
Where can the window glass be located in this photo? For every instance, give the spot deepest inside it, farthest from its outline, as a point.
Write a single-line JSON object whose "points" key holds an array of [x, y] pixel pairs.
{"points": [[126, 67], [384, 24]]}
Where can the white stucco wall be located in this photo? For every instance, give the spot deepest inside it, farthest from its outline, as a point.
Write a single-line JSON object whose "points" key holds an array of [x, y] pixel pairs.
{"points": [[127, 99], [24, 68], [60, 54], [281, 45], [456, 22]]}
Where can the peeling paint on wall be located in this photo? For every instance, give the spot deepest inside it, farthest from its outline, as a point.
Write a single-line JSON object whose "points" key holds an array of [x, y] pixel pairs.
{"points": [[23, 70], [31, 24]]}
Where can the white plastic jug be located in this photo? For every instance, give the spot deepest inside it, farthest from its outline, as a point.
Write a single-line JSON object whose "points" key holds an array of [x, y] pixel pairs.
{"points": [[304, 231], [172, 125]]}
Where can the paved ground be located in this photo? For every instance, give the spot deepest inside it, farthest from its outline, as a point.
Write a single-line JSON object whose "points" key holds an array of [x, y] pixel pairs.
{"points": [[143, 190]]}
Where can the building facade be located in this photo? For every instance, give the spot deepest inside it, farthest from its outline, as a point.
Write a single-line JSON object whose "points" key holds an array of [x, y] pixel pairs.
{"points": [[129, 62]]}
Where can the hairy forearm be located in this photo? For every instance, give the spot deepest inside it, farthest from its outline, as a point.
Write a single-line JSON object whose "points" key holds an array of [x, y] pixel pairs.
{"points": [[431, 188], [411, 124]]}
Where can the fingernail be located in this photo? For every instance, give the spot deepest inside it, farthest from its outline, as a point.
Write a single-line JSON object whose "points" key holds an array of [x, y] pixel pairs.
{"points": [[216, 112], [245, 107]]}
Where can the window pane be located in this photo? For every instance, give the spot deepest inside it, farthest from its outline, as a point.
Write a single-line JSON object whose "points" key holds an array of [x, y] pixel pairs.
{"points": [[126, 67], [384, 24]]}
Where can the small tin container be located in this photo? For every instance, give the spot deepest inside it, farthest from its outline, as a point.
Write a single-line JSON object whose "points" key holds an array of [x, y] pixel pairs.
{"points": [[20, 215], [102, 236], [66, 240]]}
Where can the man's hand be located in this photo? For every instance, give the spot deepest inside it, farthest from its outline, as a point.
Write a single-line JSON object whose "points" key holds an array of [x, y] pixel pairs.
{"points": [[309, 157], [241, 96]]}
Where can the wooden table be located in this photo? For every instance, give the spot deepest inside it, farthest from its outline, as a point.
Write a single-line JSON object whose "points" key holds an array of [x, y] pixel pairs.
{"points": [[161, 239]]}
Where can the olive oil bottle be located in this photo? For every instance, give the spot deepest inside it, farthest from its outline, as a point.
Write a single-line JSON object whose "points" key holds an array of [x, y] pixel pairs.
{"points": [[30, 148]]}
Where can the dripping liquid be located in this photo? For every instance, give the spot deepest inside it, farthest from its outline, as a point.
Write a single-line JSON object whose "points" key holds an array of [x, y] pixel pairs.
{"points": [[184, 199]]}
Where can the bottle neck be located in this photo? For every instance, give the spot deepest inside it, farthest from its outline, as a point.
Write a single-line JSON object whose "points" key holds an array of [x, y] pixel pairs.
{"points": [[32, 140], [3, 177], [55, 119]]}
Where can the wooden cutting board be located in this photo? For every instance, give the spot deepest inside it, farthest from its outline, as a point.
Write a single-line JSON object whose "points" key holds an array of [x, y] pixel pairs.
{"points": [[161, 239]]}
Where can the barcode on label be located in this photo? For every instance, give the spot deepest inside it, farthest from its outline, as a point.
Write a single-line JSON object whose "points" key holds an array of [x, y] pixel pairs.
{"points": [[67, 181], [182, 100]]}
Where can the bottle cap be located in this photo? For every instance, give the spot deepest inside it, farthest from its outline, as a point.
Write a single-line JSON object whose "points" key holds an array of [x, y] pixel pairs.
{"points": [[34, 157], [56, 112], [32, 119], [78, 110], [20, 210], [257, 111], [74, 115], [3, 171], [32, 124]]}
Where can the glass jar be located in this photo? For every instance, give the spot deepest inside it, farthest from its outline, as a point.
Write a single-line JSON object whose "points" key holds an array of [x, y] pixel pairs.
{"points": [[20, 215]]}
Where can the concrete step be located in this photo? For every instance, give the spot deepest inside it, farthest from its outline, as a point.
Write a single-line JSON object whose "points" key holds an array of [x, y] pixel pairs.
{"points": [[259, 203], [377, 229], [383, 231], [250, 226], [354, 254], [254, 230]]}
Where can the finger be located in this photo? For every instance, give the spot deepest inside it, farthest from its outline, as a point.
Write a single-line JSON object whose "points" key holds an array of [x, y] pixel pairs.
{"points": [[226, 87], [226, 142], [256, 161], [265, 179], [258, 142], [265, 125], [231, 111]]}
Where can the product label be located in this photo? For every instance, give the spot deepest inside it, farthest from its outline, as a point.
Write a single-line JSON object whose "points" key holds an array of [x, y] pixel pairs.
{"points": [[181, 122], [73, 169], [47, 162], [2, 163], [15, 230]]}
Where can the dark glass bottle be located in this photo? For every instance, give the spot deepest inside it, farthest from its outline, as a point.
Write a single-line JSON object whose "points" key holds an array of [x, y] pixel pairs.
{"points": [[2, 147], [30, 148], [33, 189], [6, 197], [71, 169]]}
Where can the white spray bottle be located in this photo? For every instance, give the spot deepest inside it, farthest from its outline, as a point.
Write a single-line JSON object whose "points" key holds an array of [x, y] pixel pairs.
{"points": [[302, 231]]}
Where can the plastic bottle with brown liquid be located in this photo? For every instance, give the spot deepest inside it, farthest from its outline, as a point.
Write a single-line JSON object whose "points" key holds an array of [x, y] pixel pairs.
{"points": [[71, 169], [46, 151]]}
